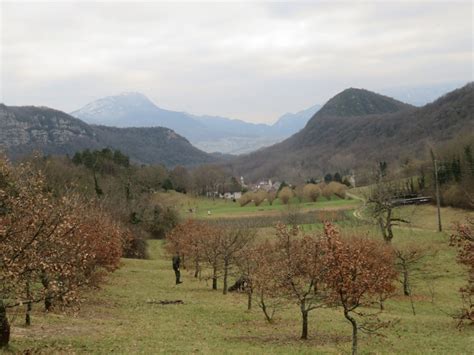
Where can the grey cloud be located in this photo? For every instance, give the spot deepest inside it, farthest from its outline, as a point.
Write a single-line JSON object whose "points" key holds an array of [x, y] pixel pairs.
{"points": [[252, 61]]}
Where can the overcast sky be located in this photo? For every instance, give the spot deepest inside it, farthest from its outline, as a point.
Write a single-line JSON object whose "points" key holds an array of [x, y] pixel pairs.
{"points": [[248, 60]]}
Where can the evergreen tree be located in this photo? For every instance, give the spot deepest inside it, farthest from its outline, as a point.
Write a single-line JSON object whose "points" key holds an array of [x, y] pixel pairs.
{"points": [[328, 178]]}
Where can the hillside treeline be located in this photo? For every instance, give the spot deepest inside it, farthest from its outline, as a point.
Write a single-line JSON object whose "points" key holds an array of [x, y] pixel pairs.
{"points": [[128, 192], [455, 168]]}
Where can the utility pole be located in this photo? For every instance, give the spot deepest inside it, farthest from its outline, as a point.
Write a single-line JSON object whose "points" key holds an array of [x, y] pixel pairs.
{"points": [[435, 165]]}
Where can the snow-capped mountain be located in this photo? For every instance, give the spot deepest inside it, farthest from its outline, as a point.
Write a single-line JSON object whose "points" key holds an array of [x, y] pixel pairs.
{"points": [[209, 133]]}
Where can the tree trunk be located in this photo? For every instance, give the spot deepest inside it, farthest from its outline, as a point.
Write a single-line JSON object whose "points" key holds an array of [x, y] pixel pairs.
{"points": [[388, 226], [29, 305], [214, 278], [48, 301], [304, 315], [226, 272], [196, 269], [389, 234], [249, 299], [381, 303], [406, 284], [263, 306], [354, 331], [382, 228], [4, 326]]}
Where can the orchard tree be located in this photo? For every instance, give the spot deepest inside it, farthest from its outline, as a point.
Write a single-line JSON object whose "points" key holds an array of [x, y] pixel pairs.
{"points": [[246, 198], [231, 243], [258, 197], [299, 271], [359, 272], [463, 239], [312, 192], [186, 239], [256, 264], [61, 243], [299, 193], [285, 195], [212, 252], [408, 258], [271, 196], [382, 208]]}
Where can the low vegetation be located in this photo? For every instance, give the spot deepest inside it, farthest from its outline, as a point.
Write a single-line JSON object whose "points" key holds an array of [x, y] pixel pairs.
{"points": [[304, 266]]}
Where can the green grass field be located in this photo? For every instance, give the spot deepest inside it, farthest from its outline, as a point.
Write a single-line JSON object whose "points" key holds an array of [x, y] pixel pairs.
{"points": [[120, 318], [226, 208]]}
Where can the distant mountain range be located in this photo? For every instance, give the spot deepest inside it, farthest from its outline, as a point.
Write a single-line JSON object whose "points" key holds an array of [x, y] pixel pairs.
{"points": [[356, 129], [420, 95], [209, 133], [29, 128]]}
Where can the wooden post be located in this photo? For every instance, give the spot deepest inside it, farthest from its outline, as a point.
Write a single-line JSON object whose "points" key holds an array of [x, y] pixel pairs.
{"points": [[438, 204]]}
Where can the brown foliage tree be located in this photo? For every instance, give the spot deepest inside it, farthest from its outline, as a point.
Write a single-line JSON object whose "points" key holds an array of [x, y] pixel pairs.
{"points": [[299, 271], [358, 272], [312, 192], [271, 196], [299, 193], [246, 198], [463, 239], [285, 195], [231, 243], [57, 242], [256, 264], [186, 239], [258, 197]]}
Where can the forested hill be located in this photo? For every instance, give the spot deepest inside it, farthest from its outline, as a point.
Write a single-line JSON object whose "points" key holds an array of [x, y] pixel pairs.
{"points": [[360, 102], [26, 129], [356, 129]]}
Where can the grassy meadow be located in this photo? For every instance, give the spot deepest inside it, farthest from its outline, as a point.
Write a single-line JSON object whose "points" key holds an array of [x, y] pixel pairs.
{"points": [[121, 317]]}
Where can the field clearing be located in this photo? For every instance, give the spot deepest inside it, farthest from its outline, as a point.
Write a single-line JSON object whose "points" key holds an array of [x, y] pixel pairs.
{"points": [[118, 318], [222, 208]]}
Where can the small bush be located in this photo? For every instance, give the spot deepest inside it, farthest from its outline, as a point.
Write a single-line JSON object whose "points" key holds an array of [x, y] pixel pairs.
{"points": [[312, 192], [259, 197], [245, 199], [285, 195]]}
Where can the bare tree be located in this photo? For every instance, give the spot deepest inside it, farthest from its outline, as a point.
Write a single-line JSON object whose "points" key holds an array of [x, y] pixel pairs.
{"points": [[407, 259], [382, 208]]}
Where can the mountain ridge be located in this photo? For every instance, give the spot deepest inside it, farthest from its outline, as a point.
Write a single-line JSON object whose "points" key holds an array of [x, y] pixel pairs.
{"points": [[209, 133], [28, 128], [330, 142]]}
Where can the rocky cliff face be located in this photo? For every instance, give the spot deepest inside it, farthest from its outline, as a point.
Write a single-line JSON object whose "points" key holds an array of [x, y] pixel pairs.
{"points": [[39, 127], [26, 129]]}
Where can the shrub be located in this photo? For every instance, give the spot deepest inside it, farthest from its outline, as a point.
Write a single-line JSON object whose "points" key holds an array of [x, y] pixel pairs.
{"points": [[246, 198], [312, 192], [271, 196], [259, 197], [285, 195]]}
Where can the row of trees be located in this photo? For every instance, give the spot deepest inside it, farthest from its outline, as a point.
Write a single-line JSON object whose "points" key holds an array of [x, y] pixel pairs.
{"points": [[312, 271], [50, 246], [308, 192], [456, 174]]}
